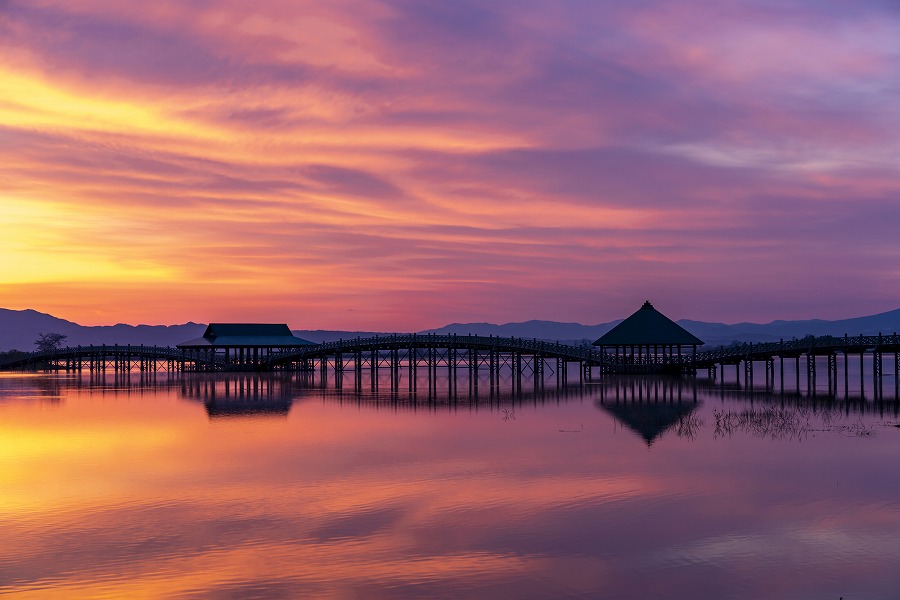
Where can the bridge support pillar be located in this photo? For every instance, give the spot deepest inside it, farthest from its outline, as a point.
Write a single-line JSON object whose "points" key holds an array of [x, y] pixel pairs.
{"points": [[338, 369], [811, 374], [395, 367], [832, 374], [781, 369], [517, 370], [896, 374], [876, 372], [559, 368], [862, 375], [492, 366]]}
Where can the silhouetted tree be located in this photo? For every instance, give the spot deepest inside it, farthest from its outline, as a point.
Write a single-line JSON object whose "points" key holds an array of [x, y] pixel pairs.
{"points": [[48, 342]]}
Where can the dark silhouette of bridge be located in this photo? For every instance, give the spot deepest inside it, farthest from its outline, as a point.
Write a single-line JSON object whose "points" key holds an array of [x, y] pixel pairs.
{"points": [[114, 358], [516, 357]]}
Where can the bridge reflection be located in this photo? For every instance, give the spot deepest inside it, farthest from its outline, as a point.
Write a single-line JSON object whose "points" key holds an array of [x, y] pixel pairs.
{"points": [[650, 405], [860, 363], [274, 394], [235, 395]]}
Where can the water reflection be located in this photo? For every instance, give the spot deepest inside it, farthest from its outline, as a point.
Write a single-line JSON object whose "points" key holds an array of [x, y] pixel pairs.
{"points": [[235, 395], [29, 388], [651, 420], [137, 488], [794, 423], [651, 406], [254, 394], [817, 403]]}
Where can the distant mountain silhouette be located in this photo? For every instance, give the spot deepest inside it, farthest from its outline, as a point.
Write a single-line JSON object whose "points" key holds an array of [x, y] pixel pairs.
{"points": [[327, 335], [717, 334], [572, 333], [713, 334], [19, 329]]}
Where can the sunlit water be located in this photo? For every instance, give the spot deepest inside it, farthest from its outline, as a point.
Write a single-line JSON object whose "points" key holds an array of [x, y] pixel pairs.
{"points": [[244, 486]]}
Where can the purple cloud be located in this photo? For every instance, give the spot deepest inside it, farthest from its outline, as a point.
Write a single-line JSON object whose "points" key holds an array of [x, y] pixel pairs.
{"points": [[462, 161]]}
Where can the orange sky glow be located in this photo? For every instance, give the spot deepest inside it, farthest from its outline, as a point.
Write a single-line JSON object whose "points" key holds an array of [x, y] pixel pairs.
{"points": [[395, 166]]}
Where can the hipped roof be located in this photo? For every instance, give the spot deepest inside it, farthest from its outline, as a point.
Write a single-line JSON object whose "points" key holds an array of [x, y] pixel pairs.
{"points": [[246, 335], [648, 327]]}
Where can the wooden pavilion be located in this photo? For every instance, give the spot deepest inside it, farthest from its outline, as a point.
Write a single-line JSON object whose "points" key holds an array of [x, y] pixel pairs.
{"points": [[244, 346], [647, 342]]}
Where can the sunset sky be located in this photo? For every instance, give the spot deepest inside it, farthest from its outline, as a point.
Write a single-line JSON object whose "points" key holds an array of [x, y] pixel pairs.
{"points": [[402, 164]]}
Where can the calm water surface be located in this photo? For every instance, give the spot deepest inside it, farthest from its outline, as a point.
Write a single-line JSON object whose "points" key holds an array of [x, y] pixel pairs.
{"points": [[242, 487]]}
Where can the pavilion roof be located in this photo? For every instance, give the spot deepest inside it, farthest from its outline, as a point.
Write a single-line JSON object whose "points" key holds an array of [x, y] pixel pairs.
{"points": [[246, 335], [648, 327]]}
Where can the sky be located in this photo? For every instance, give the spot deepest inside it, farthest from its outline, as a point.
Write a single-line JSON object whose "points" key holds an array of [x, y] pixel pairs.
{"points": [[403, 164]]}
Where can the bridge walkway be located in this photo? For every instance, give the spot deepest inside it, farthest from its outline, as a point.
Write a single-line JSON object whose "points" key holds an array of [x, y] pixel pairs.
{"points": [[528, 357]]}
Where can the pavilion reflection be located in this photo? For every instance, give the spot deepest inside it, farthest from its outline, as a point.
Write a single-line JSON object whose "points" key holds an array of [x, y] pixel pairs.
{"points": [[651, 406], [242, 394]]}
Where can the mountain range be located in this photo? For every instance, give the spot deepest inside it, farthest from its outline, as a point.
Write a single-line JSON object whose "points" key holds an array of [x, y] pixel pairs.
{"points": [[20, 328]]}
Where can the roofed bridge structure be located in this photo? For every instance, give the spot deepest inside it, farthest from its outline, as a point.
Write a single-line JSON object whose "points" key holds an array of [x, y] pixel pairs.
{"points": [[646, 342], [243, 346]]}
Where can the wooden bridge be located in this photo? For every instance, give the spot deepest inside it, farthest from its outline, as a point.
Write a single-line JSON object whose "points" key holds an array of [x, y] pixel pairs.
{"points": [[517, 357], [114, 358], [831, 348]]}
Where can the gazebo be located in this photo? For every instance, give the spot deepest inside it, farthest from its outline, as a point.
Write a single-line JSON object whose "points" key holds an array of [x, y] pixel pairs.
{"points": [[244, 346], [647, 342]]}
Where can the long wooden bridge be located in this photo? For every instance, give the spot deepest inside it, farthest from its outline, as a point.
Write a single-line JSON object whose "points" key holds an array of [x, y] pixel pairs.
{"points": [[515, 356]]}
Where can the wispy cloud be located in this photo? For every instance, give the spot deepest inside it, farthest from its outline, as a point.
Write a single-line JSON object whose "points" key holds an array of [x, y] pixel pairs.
{"points": [[397, 165]]}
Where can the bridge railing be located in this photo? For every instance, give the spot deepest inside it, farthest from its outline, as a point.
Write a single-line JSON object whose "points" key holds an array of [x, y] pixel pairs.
{"points": [[141, 351], [417, 340], [805, 345], [747, 351]]}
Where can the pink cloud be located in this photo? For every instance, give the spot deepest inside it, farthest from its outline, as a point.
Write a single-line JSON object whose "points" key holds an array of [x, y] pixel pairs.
{"points": [[398, 165]]}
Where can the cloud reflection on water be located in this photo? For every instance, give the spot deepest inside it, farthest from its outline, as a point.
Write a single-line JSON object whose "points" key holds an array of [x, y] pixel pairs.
{"points": [[354, 494]]}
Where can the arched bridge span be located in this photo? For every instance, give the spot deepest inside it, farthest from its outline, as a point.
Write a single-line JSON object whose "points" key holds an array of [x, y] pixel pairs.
{"points": [[528, 356], [413, 341], [431, 351]]}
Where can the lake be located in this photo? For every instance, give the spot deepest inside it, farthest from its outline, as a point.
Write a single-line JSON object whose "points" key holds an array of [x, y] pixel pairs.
{"points": [[272, 486]]}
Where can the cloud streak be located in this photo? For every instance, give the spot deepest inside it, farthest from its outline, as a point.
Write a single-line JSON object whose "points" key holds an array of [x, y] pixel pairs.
{"points": [[398, 165]]}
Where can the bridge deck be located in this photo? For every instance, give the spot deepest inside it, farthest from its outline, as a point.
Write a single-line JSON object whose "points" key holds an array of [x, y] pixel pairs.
{"points": [[412, 346]]}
